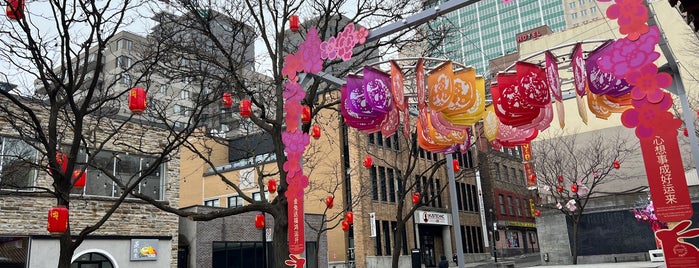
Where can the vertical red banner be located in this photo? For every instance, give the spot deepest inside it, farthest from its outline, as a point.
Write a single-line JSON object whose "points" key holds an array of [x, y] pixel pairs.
{"points": [[526, 152], [296, 225], [528, 166], [668, 185]]}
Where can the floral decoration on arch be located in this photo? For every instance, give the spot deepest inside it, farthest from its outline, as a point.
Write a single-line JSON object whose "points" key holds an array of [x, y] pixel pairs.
{"points": [[631, 16]]}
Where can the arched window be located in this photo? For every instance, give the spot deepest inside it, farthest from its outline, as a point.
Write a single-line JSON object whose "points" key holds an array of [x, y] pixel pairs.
{"points": [[92, 260]]}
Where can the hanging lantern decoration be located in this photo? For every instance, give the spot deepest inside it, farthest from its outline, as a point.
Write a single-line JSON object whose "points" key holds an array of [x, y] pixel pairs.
{"points": [[15, 9], [617, 165], [345, 225], [57, 223], [245, 108], [272, 186], [349, 217], [315, 132], [560, 178], [294, 23], [532, 177], [306, 114], [574, 188], [137, 100], [227, 100], [416, 198], [260, 221], [62, 160], [537, 213], [79, 178], [685, 132], [455, 163], [559, 188], [368, 161], [330, 201]]}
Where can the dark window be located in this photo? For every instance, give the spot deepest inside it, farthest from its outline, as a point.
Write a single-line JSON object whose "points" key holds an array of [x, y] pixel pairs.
{"points": [[401, 188], [382, 180], [396, 146], [374, 184], [459, 199], [439, 197], [464, 197], [238, 254], [378, 238], [18, 160], [474, 198], [510, 205], [15, 251], [426, 196], [371, 138], [432, 193], [519, 207], [501, 198], [235, 201], [379, 139], [391, 186], [386, 237], [479, 238], [87, 260]]}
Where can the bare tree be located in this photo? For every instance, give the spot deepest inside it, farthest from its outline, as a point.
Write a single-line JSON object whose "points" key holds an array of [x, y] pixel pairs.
{"points": [[572, 168]]}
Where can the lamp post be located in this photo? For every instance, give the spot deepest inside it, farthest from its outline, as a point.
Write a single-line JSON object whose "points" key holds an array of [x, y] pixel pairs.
{"points": [[495, 229]]}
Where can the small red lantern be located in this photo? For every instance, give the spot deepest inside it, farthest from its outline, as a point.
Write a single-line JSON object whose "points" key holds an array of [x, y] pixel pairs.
{"points": [[617, 165], [532, 177], [260, 221], [559, 188], [349, 217], [294, 23], [227, 100], [416, 198], [58, 220], [15, 9], [345, 225], [685, 132], [574, 188], [272, 186], [62, 160], [455, 163], [368, 161], [137, 100], [315, 132], [245, 108], [306, 114], [560, 178], [537, 213], [79, 178], [330, 201]]}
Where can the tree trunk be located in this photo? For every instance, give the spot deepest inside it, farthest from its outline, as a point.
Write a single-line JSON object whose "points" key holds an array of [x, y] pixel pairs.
{"points": [[66, 251], [575, 242], [280, 237], [397, 242]]}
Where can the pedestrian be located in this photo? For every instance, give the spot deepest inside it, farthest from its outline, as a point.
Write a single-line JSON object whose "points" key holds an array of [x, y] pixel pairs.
{"points": [[444, 263]]}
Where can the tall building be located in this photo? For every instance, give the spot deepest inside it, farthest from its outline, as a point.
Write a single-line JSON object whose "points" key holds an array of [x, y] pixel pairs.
{"points": [[488, 29]]}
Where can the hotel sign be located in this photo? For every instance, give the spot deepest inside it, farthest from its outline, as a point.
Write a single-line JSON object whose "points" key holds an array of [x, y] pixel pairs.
{"points": [[430, 217]]}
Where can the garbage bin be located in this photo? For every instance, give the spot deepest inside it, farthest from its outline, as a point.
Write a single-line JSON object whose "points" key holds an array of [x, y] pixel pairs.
{"points": [[415, 258]]}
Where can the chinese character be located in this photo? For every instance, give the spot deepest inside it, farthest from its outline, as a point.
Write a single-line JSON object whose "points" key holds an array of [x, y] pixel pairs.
{"points": [[670, 199], [665, 169], [658, 140], [662, 159], [666, 178]]}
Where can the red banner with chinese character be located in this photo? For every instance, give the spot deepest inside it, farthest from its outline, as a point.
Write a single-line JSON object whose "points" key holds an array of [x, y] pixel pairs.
{"points": [[526, 152], [668, 186], [531, 176]]}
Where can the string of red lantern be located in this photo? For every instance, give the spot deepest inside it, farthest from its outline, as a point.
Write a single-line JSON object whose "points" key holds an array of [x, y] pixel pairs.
{"points": [[58, 220], [330, 201]]}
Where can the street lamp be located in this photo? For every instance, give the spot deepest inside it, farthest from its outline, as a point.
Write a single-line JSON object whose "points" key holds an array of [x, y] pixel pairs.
{"points": [[495, 229]]}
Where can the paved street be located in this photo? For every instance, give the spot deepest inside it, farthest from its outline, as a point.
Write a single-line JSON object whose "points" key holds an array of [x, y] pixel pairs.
{"points": [[533, 260]]}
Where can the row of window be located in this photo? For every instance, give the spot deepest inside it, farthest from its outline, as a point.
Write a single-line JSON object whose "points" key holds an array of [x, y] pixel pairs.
{"points": [[472, 239], [514, 206], [467, 197], [583, 13], [510, 174], [430, 191], [581, 2], [384, 182], [234, 201], [386, 237], [388, 143]]}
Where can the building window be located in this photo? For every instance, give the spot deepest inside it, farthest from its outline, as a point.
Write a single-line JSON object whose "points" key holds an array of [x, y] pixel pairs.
{"points": [[386, 237], [125, 44], [583, 13], [391, 185], [510, 205], [501, 198], [235, 201], [212, 203], [184, 94], [378, 238], [593, 10], [574, 16], [374, 184], [256, 196], [519, 207], [17, 162], [123, 62], [124, 78], [163, 89], [382, 181], [125, 167], [571, 5]]}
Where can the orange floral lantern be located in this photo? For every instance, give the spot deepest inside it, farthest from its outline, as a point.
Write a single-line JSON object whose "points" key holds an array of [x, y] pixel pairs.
{"points": [[245, 108], [315, 132], [15, 9], [272, 186], [455, 163], [416, 198], [330, 201], [349, 217], [79, 178], [137, 100], [368, 161], [345, 225], [57, 223], [306, 114], [294, 23], [260, 221], [227, 100]]}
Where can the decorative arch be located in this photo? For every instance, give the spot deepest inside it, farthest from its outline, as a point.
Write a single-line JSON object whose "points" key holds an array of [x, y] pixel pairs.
{"points": [[99, 251]]}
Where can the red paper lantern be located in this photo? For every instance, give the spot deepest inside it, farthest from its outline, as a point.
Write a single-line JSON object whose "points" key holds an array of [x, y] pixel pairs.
{"points": [[58, 220], [368, 161], [349, 217], [560, 178], [62, 160], [537, 213], [330, 201], [79, 178], [272, 186], [416, 198], [559, 188], [260, 221], [574, 188], [306, 114], [245, 108], [137, 100], [294, 23], [617, 165], [532, 177], [455, 163], [315, 132], [15, 9], [685, 132], [227, 100], [345, 225]]}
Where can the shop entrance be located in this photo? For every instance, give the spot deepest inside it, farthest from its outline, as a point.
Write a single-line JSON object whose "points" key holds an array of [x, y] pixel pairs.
{"points": [[431, 244]]}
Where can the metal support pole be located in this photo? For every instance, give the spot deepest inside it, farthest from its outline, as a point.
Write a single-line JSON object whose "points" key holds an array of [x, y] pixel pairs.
{"points": [[495, 229], [455, 211]]}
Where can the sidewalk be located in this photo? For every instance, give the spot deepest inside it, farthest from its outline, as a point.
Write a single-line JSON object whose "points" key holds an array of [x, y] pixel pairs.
{"points": [[637, 264], [531, 260]]}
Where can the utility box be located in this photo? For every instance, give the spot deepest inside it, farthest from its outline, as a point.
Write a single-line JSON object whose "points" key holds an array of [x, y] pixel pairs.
{"points": [[415, 258]]}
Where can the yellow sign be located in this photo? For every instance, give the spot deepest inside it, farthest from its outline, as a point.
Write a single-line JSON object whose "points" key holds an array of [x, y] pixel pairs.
{"points": [[522, 224]]}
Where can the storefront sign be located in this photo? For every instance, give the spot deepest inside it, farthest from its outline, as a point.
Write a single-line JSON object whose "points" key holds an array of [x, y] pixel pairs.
{"points": [[522, 224], [372, 223], [144, 249], [528, 36], [429, 217]]}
